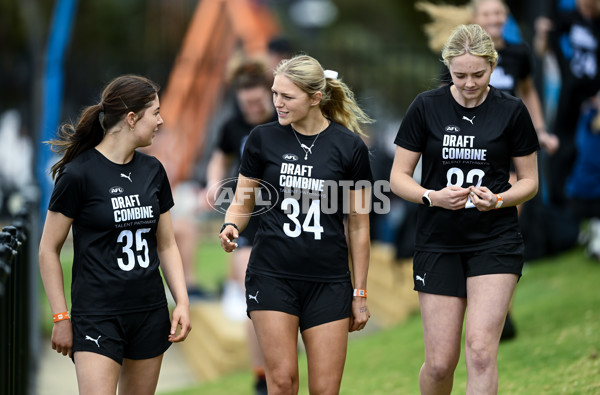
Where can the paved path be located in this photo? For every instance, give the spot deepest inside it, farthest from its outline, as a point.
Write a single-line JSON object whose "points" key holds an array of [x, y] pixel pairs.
{"points": [[56, 373]]}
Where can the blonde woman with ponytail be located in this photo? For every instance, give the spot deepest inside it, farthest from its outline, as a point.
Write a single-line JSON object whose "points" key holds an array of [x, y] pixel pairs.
{"points": [[116, 200], [314, 166]]}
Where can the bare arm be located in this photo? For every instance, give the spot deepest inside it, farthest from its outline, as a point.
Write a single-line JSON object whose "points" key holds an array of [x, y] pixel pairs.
{"points": [[53, 238], [524, 189], [216, 170], [360, 252], [239, 211], [172, 268], [403, 184], [540, 40], [527, 92]]}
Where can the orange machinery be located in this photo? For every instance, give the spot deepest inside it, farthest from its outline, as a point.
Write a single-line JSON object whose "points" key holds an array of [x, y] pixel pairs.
{"points": [[198, 80]]}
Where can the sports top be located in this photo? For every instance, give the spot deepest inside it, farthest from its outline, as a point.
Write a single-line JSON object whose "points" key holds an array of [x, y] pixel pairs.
{"points": [[575, 42], [115, 210], [466, 146], [301, 230]]}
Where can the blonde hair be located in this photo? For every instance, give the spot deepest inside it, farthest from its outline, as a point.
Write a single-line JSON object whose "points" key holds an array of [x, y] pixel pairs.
{"points": [[337, 102], [471, 39], [444, 18]]}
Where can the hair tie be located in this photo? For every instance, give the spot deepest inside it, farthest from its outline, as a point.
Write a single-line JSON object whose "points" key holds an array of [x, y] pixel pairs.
{"points": [[331, 74]]}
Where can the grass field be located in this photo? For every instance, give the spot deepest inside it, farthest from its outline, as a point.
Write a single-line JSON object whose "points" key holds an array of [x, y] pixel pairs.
{"points": [[557, 314]]}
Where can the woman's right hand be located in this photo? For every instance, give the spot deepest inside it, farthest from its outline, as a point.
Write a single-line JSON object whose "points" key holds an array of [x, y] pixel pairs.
{"points": [[450, 197], [228, 238], [62, 337]]}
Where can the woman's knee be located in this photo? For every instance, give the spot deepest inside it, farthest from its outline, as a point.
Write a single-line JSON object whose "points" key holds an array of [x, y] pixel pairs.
{"points": [[282, 381], [440, 369], [324, 385], [480, 354]]}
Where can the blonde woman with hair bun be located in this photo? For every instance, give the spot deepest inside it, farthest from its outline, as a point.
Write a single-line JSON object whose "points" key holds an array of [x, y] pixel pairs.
{"points": [[468, 249]]}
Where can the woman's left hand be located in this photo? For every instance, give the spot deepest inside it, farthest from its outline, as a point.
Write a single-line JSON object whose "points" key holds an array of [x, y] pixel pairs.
{"points": [[483, 198], [360, 314], [181, 318]]}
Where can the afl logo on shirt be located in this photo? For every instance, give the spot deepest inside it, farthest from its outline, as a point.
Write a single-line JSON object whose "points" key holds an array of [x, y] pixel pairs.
{"points": [[116, 190], [290, 157], [452, 129]]}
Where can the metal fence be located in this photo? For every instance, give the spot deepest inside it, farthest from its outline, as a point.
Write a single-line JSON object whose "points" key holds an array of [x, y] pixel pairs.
{"points": [[15, 297]]}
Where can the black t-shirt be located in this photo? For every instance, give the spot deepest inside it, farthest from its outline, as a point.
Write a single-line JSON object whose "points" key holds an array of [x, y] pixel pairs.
{"points": [[514, 65], [575, 42], [116, 209], [466, 146], [233, 135], [301, 231]]}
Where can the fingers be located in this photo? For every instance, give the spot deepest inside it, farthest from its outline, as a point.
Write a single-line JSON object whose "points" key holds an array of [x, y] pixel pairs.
{"points": [[358, 325], [228, 243], [63, 349], [183, 333], [482, 198], [359, 318]]}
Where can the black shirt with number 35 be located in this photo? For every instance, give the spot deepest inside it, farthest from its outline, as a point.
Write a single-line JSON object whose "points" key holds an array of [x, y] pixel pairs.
{"points": [[115, 210], [466, 146]]}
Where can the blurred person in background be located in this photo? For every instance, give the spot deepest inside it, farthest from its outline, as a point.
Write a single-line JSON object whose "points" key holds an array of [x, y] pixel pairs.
{"points": [[16, 172], [469, 249], [252, 88], [117, 201], [573, 37], [298, 277], [278, 49], [583, 184], [185, 217]]}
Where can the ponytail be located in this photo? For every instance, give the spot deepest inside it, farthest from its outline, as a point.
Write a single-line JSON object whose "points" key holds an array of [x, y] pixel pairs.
{"points": [[122, 95], [73, 140], [337, 102]]}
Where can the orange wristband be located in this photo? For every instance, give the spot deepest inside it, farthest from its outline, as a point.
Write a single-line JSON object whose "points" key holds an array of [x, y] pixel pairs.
{"points": [[499, 201], [360, 292], [61, 316]]}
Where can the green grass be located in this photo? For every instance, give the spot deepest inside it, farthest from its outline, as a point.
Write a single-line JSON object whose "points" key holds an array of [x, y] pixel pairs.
{"points": [[557, 314]]}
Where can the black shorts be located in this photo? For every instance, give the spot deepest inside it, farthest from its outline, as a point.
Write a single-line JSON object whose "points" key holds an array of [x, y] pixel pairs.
{"points": [[314, 303], [446, 273], [140, 335]]}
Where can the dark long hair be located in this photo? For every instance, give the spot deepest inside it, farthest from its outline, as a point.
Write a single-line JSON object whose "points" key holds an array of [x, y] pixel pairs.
{"points": [[122, 95]]}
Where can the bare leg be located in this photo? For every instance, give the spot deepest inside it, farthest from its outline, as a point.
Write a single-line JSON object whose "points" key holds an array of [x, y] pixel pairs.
{"points": [[326, 355], [488, 300], [277, 334], [96, 374], [140, 376], [442, 318], [239, 265]]}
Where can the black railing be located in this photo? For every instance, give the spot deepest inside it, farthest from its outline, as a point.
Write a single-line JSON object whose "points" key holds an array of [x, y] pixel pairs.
{"points": [[15, 322]]}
